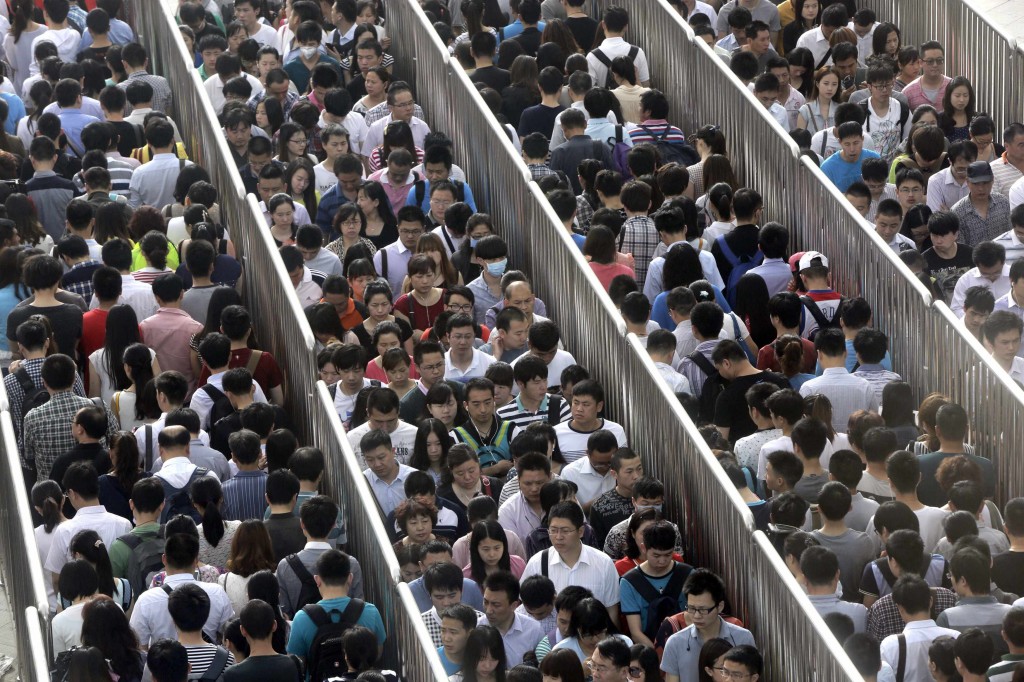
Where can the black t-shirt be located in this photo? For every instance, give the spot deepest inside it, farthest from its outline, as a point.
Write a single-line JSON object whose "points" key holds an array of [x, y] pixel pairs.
{"points": [[492, 77], [65, 319], [731, 408], [130, 137], [1008, 572], [584, 30], [357, 88], [262, 668], [539, 119], [83, 452], [947, 271], [530, 40]]}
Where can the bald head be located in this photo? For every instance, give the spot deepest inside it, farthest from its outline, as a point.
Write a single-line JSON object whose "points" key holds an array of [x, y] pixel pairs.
{"points": [[173, 441], [520, 295]]}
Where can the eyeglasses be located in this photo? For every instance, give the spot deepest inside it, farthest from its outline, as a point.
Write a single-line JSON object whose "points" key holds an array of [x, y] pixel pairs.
{"points": [[597, 668], [701, 610], [410, 233], [731, 674], [555, 530], [935, 61], [403, 105], [457, 308], [882, 86], [297, 140], [351, 221], [432, 368]]}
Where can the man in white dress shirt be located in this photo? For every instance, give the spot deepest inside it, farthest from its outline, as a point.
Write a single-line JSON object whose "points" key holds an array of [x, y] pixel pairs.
{"points": [[592, 474]]}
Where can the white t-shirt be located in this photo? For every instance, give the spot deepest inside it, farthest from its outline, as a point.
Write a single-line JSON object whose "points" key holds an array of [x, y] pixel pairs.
{"points": [[325, 179], [573, 443]]}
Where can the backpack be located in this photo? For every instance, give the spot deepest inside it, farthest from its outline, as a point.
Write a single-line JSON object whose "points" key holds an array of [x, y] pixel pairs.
{"points": [[712, 388], [660, 603], [554, 409], [904, 114], [217, 667], [672, 152], [145, 560], [823, 322], [221, 405], [609, 81], [620, 152], [326, 657], [35, 396], [309, 593], [421, 190], [62, 666], [488, 453], [740, 266], [179, 500]]}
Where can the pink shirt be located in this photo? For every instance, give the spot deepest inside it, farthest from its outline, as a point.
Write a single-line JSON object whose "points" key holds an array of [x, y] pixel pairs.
{"points": [[517, 566], [397, 194], [606, 273], [168, 333], [915, 94]]}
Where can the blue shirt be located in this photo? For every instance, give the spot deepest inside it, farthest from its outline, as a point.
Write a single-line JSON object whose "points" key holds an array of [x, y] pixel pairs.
{"points": [[303, 630], [470, 594], [15, 112], [425, 204], [72, 121], [515, 28], [659, 308], [843, 173], [449, 667], [120, 34], [631, 602]]}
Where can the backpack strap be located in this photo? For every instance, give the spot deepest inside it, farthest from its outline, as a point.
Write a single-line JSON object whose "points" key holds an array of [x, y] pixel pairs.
{"points": [[317, 614], [384, 263], [217, 665], [633, 52], [254, 359], [421, 191], [149, 447], [825, 58], [301, 572], [705, 365], [24, 380], [501, 33], [601, 57], [116, 403], [353, 611], [643, 586], [735, 327], [167, 588], [544, 563], [554, 409], [132, 541], [824, 142], [729, 254], [815, 311], [901, 667]]}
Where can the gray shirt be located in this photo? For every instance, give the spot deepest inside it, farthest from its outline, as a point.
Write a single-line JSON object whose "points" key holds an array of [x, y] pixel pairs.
{"points": [[854, 550], [682, 650], [978, 612], [291, 586], [861, 511], [197, 301]]}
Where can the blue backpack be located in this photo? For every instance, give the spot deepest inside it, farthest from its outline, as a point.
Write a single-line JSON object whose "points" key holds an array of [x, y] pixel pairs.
{"points": [[740, 266]]}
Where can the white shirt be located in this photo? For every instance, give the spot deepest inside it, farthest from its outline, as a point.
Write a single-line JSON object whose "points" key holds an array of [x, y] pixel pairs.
{"points": [[403, 440], [973, 278], [177, 470], [308, 291], [676, 381], [943, 191], [847, 393], [151, 621], [66, 628], [136, 294], [214, 87], [780, 114], [612, 48], [573, 443], [1016, 194], [375, 134], [108, 526], [594, 569], [864, 46], [590, 484], [919, 635], [477, 366], [65, 39], [930, 520], [901, 243], [266, 35], [562, 359], [1014, 247], [202, 403], [815, 41], [301, 214], [786, 443], [344, 403]]}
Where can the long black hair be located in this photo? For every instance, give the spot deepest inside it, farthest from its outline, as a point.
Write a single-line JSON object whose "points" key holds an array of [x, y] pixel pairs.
{"points": [[487, 530], [122, 331]]}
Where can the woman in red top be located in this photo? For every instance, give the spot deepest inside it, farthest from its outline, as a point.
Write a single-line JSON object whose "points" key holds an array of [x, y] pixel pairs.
{"points": [[421, 306], [599, 248], [386, 335]]}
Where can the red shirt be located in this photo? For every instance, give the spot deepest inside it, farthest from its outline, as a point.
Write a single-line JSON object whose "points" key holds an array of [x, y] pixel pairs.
{"points": [[94, 334], [766, 359], [268, 374]]}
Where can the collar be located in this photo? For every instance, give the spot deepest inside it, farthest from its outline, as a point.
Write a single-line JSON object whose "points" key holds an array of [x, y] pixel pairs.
{"points": [[93, 510], [540, 408], [179, 579], [173, 311], [834, 370], [920, 624], [985, 599], [316, 544], [609, 42], [865, 367]]}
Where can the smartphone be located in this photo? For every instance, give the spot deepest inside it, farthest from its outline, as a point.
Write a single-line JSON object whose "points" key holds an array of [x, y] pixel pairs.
{"points": [[847, 82]]}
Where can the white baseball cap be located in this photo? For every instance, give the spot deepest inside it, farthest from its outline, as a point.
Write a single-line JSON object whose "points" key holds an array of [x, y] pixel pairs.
{"points": [[812, 258]]}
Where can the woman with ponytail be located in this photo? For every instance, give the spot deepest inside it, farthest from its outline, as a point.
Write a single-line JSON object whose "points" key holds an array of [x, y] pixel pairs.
{"points": [[116, 486], [789, 351], [87, 545], [47, 498], [136, 405], [215, 534], [18, 43], [155, 249]]}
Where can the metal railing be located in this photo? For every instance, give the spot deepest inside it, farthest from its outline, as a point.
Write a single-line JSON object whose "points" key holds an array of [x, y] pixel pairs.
{"points": [[717, 523], [22, 569], [799, 196], [975, 47]]}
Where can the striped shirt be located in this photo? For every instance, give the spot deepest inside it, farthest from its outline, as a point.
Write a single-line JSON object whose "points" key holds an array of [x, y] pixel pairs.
{"points": [[652, 131], [517, 413], [1013, 245], [244, 496], [593, 568], [162, 96], [1004, 175], [878, 377], [573, 443], [200, 656], [847, 393]]}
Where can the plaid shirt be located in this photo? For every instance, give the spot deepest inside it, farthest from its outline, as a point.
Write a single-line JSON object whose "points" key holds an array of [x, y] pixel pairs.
{"points": [[640, 238], [884, 617], [162, 96], [16, 395], [584, 212], [290, 98], [48, 430], [539, 170], [433, 622], [78, 279]]}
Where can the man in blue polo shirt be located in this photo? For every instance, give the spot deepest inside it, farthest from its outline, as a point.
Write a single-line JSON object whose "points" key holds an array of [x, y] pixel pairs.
{"points": [[843, 169]]}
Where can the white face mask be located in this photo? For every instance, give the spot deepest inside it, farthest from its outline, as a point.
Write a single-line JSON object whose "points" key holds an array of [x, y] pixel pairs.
{"points": [[307, 52]]}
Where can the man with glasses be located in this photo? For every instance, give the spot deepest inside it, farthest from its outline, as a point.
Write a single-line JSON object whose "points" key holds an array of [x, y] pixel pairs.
{"points": [[430, 360], [705, 601], [569, 562], [463, 361], [949, 185], [259, 153], [930, 87], [437, 166], [401, 105], [742, 663], [392, 261], [610, 661], [888, 121]]}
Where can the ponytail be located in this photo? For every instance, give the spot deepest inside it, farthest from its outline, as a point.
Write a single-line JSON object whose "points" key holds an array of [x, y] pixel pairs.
{"points": [[48, 496], [89, 545], [206, 493]]}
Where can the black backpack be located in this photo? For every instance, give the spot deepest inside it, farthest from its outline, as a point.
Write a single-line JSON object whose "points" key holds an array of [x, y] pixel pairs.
{"points": [[145, 559], [609, 81], [673, 152], [35, 396], [660, 604], [179, 500], [309, 593], [326, 657], [823, 322], [712, 388], [221, 405]]}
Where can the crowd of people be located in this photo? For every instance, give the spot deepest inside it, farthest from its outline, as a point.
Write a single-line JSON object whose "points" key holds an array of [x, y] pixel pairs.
{"points": [[182, 525]]}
